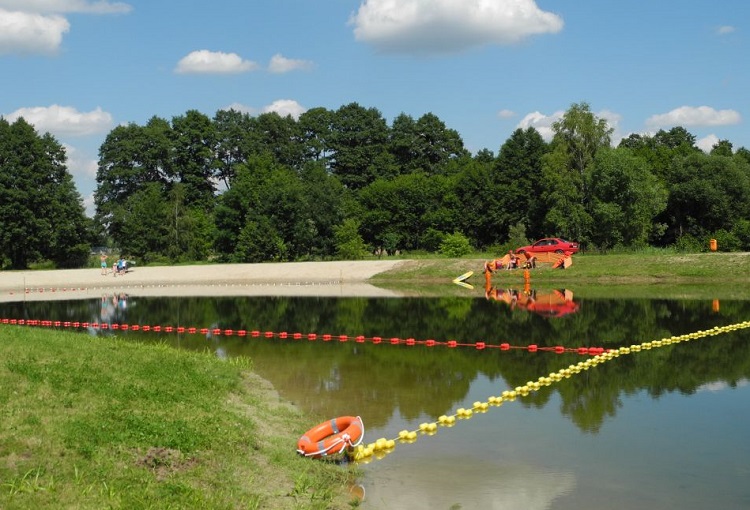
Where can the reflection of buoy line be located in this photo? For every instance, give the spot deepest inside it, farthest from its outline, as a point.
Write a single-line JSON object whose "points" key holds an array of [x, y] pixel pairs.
{"points": [[382, 447], [41, 290]]}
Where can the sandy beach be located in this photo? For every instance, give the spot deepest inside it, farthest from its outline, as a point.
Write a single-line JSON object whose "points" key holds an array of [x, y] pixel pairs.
{"points": [[338, 278]]}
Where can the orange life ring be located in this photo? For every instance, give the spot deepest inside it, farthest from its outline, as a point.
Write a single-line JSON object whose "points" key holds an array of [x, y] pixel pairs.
{"points": [[332, 436]]}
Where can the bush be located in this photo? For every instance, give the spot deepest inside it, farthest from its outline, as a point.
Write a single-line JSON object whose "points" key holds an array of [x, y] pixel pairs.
{"points": [[689, 244], [455, 245], [726, 241], [348, 241]]}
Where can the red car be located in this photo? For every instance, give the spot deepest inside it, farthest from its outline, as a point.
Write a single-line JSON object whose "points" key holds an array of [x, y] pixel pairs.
{"points": [[550, 245]]}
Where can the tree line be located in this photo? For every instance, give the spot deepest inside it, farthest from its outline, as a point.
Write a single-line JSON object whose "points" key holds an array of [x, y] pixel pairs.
{"points": [[341, 183]]}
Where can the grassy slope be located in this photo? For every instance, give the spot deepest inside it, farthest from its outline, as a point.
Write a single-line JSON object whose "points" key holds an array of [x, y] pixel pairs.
{"points": [[101, 423], [700, 275]]}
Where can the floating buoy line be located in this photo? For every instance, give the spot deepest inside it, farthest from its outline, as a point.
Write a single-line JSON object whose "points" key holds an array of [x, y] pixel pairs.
{"points": [[384, 446], [285, 335]]}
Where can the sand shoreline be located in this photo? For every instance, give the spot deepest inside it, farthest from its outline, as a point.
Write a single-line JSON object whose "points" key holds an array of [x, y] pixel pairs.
{"points": [[336, 278]]}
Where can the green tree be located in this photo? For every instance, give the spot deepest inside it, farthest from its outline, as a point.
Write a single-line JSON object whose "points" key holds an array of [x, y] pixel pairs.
{"points": [[519, 170], [426, 145], [315, 134], [348, 241], [130, 157], [482, 202], [579, 134], [193, 139], [706, 194], [259, 241], [144, 220], [236, 140], [408, 207], [626, 197], [41, 213], [358, 143]]}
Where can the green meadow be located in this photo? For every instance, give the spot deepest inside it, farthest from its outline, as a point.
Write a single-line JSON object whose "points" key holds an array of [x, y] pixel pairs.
{"points": [[92, 423]]}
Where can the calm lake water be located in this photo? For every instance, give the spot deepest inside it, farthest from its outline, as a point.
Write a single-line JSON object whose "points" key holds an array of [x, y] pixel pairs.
{"points": [[663, 428]]}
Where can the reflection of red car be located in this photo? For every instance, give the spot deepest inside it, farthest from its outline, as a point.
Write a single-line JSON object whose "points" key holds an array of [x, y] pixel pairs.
{"points": [[550, 245], [554, 304]]}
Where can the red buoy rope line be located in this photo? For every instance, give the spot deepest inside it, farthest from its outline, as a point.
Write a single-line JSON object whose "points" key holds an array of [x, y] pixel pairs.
{"points": [[383, 446], [284, 335]]}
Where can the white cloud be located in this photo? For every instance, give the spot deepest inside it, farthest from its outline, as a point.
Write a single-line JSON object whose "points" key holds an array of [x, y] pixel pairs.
{"points": [[28, 33], [281, 64], [60, 6], [214, 62], [724, 30], [285, 107], [35, 27], [79, 164], [506, 114], [64, 120], [542, 123], [707, 142], [694, 116], [446, 26]]}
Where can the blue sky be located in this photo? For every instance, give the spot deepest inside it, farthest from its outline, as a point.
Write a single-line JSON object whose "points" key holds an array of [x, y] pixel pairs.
{"points": [[78, 68]]}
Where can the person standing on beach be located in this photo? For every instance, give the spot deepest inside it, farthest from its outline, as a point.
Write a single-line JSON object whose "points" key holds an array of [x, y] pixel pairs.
{"points": [[103, 259]]}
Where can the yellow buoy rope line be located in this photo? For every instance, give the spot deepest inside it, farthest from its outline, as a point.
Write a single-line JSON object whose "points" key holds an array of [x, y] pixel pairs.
{"points": [[383, 446]]}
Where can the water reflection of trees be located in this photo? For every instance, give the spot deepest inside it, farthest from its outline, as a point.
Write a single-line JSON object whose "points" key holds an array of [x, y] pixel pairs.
{"points": [[336, 378]]}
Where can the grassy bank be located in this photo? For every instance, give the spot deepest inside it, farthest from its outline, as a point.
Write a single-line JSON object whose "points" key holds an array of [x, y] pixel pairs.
{"points": [[700, 275], [102, 423]]}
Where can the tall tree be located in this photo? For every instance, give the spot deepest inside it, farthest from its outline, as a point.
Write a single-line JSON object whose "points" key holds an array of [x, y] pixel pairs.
{"points": [[518, 169], [626, 197], [359, 144], [706, 194], [579, 134], [130, 157], [426, 145], [236, 139], [41, 213], [193, 142], [315, 134]]}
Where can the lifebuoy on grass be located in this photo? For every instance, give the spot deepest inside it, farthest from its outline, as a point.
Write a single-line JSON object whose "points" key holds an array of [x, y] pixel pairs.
{"points": [[331, 437]]}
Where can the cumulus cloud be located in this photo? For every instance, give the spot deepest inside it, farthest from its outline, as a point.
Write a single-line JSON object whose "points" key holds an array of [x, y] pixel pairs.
{"points": [[694, 116], [61, 6], [281, 64], [447, 26], [214, 62], [285, 107], [542, 123], [64, 120], [36, 27], [506, 114], [30, 33], [79, 164], [707, 142], [724, 30]]}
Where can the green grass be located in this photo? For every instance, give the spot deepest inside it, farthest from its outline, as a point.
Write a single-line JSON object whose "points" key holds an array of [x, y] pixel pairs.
{"points": [[102, 423], [651, 273]]}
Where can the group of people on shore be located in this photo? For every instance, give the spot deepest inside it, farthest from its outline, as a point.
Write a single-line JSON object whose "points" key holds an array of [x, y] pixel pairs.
{"points": [[510, 261], [120, 266]]}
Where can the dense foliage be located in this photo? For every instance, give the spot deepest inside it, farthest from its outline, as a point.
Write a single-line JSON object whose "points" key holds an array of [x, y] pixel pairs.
{"points": [[41, 213], [341, 183]]}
